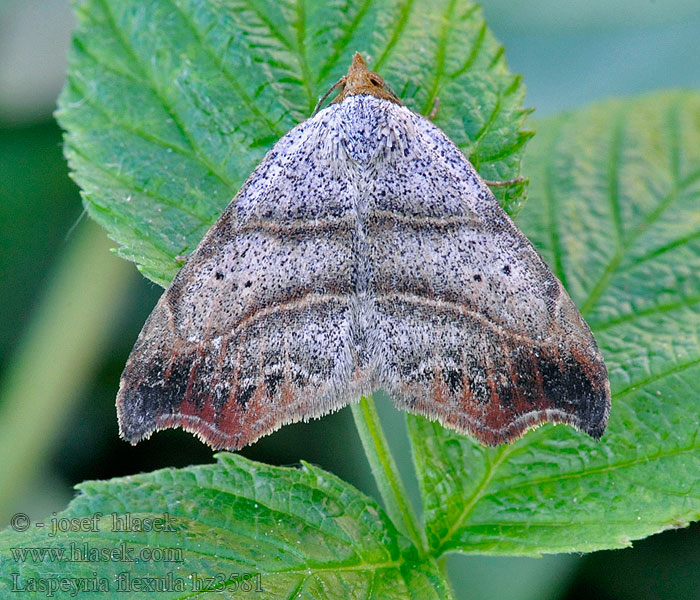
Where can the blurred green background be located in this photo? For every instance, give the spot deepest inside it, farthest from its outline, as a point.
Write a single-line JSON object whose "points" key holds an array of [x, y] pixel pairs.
{"points": [[70, 310]]}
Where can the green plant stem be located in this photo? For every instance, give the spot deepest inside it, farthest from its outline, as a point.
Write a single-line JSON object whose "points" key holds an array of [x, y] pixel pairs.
{"points": [[386, 473], [57, 355]]}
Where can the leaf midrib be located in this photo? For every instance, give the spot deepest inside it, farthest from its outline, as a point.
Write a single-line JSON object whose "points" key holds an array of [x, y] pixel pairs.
{"points": [[343, 42], [655, 310], [439, 56], [478, 494], [551, 216], [404, 16], [606, 469], [247, 100], [677, 187], [300, 26], [152, 85]]}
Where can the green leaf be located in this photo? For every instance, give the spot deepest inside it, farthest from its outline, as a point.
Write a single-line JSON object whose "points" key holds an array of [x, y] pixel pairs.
{"points": [[170, 104], [294, 533], [615, 209]]}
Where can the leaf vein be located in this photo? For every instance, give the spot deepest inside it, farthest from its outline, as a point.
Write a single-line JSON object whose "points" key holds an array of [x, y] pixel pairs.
{"points": [[112, 119], [342, 43], [469, 505], [252, 5], [614, 159], [240, 90], [476, 47], [661, 250], [606, 469], [677, 188], [130, 185], [404, 15], [152, 84], [554, 237], [440, 55], [300, 26], [659, 309], [658, 376]]}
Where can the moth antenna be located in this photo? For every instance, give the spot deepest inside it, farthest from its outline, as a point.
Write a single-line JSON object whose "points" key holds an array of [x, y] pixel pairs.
{"points": [[393, 94], [433, 111], [335, 86]]}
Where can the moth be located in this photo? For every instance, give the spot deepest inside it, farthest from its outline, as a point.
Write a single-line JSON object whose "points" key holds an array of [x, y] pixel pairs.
{"points": [[363, 252]]}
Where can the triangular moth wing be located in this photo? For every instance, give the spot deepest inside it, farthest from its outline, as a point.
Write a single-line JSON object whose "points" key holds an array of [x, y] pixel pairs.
{"points": [[255, 330], [475, 329]]}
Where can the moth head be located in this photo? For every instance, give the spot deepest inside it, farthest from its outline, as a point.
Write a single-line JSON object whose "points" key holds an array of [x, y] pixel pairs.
{"points": [[359, 80]]}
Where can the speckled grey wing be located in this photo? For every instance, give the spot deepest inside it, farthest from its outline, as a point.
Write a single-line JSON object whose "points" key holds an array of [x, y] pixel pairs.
{"points": [[254, 330], [475, 329]]}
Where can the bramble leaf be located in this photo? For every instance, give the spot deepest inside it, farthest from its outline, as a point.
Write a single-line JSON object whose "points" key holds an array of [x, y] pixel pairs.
{"points": [[235, 529]]}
